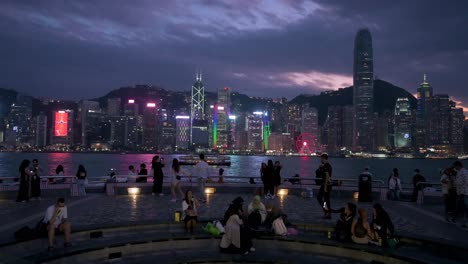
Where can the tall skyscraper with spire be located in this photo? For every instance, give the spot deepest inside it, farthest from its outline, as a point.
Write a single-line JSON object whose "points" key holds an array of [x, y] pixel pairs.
{"points": [[424, 95], [363, 91], [197, 105]]}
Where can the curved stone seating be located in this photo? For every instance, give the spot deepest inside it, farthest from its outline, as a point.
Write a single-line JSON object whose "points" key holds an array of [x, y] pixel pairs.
{"points": [[168, 243]]}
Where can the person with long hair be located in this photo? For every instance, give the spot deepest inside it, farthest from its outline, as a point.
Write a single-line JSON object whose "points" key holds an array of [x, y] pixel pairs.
{"points": [[344, 224], [190, 214], [158, 175], [24, 191], [59, 171], [382, 225], [176, 173], [36, 180], [81, 176], [361, 231]]}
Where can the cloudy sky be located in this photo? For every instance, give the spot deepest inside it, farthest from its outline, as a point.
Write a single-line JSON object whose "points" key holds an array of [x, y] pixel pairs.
{"points": [[83, 49]]}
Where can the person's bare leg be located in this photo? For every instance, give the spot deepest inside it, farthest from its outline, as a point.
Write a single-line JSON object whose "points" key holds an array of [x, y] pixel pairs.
{"points": [[180, 189], [51, 234], [173, 191]]}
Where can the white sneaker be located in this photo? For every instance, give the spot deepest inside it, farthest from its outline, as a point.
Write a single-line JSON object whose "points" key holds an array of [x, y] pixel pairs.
{"points": [[252, 249], [173, 200], [246, 253], [161, 194]]}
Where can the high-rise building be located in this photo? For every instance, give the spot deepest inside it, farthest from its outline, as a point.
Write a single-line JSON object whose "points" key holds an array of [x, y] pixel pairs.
{"points": [[113, 106], [280, 142], [424, 95], [347, 127], [62, 132], [89, 115], [168, 136], [255, 132], [133, 132], [131, 108], [182, 132], [197, 103], [118, 131], [403, 132], [18, 125], [309, 121], [150, 127], [222, 118], [232, 132], [334, 124], [363, 91], [457, 119], [41, 130], [439, 120]]}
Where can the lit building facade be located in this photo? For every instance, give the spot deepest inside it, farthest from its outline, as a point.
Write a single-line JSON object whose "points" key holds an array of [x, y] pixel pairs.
{"points": [[62, 131], [403, 132], [150, 116], [439, 120], [424, 94], [255, 132], [113, 106], [41, 130], [457, 119], [182, 132], [363, 91], [197, 103]]}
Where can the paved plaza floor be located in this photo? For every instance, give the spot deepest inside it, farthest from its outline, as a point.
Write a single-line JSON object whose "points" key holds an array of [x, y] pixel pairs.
{"points": [[99, 210]]}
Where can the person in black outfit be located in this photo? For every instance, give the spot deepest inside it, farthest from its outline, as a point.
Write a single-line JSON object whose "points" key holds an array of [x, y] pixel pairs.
{"points": [[25, 182], [268, 180], [157, 164], [323, 196], [36, 180], [344, 224], [382, 224], [143, 171], [263, 173], [276, 176], [417, 178], [81, 176]]}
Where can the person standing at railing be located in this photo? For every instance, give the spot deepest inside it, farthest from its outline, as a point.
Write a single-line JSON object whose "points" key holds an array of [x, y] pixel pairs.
{"points": [[263, 173], [462, 190], [417, 178], [158, 175], [394, 186], [25, 182], [176, 172], [81, 179], [36, 180], [323, 197], [449, 191], [268, 180], [202, 171], [276, 177]]}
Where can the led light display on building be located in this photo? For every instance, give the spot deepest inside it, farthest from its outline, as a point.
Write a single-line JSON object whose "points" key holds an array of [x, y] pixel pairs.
{"points": [[61, 124]]}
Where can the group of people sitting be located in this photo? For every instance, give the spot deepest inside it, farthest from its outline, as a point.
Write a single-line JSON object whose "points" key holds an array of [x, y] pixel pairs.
{"points": [[379, 231]]}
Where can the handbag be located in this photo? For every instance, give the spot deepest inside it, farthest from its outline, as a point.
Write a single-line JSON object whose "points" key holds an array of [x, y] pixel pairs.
{"points": [[279, 227]]}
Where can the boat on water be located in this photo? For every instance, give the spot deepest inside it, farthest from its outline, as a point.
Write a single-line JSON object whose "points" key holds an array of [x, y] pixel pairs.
{"points": [[463, 157], [211, 160]]}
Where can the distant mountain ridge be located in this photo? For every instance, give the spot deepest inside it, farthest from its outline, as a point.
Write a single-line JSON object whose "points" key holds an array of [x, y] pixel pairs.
{"points": [[385, 96]]}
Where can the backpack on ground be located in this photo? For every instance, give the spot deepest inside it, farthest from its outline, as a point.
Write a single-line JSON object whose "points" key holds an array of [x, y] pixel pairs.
{"points": [[279, 227]]}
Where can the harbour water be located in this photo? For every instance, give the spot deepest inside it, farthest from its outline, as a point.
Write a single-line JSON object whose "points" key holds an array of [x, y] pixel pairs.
{"points": [[98, 164]]}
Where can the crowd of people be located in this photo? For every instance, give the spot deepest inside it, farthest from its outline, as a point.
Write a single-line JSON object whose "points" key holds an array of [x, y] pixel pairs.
{"points": [[353, 224]]}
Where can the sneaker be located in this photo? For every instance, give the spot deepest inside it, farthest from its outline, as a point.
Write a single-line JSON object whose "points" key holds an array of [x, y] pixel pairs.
{"points": [[161, 194], [252, 249], [246, 253], [153, 194], [173, 200]]}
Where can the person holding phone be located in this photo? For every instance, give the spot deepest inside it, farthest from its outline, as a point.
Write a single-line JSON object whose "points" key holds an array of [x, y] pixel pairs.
{"points": [[56, 219], [189, 207]]}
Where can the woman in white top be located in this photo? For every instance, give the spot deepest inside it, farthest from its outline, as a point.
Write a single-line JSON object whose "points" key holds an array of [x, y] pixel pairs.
{"points": [[189, 207], [394, 185], [176, 172]]}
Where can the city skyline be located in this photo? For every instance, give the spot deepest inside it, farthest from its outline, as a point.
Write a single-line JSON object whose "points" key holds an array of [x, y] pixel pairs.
{"points": [[249, 46]]}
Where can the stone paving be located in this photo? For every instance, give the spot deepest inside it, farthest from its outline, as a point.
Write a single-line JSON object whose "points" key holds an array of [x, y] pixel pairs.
{"points": [[99, 210]]}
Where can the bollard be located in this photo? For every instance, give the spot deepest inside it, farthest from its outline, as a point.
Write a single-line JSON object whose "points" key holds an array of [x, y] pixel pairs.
{"points": [[177, 216]]}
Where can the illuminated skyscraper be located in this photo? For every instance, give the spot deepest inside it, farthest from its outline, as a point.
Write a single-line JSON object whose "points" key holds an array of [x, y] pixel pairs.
{"points": [[150, 126], [197, 103], [222, 118], [41, 130], [182, 132], [421, 135], [363, 91], [403, 132], [62, 128]]}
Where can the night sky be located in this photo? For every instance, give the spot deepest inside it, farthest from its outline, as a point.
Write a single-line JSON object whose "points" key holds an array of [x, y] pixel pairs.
{"points": [[84, 49]]}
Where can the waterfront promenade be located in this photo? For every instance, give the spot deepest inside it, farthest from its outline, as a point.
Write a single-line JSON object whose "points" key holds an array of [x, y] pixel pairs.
{"points": [[100, 211]]}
